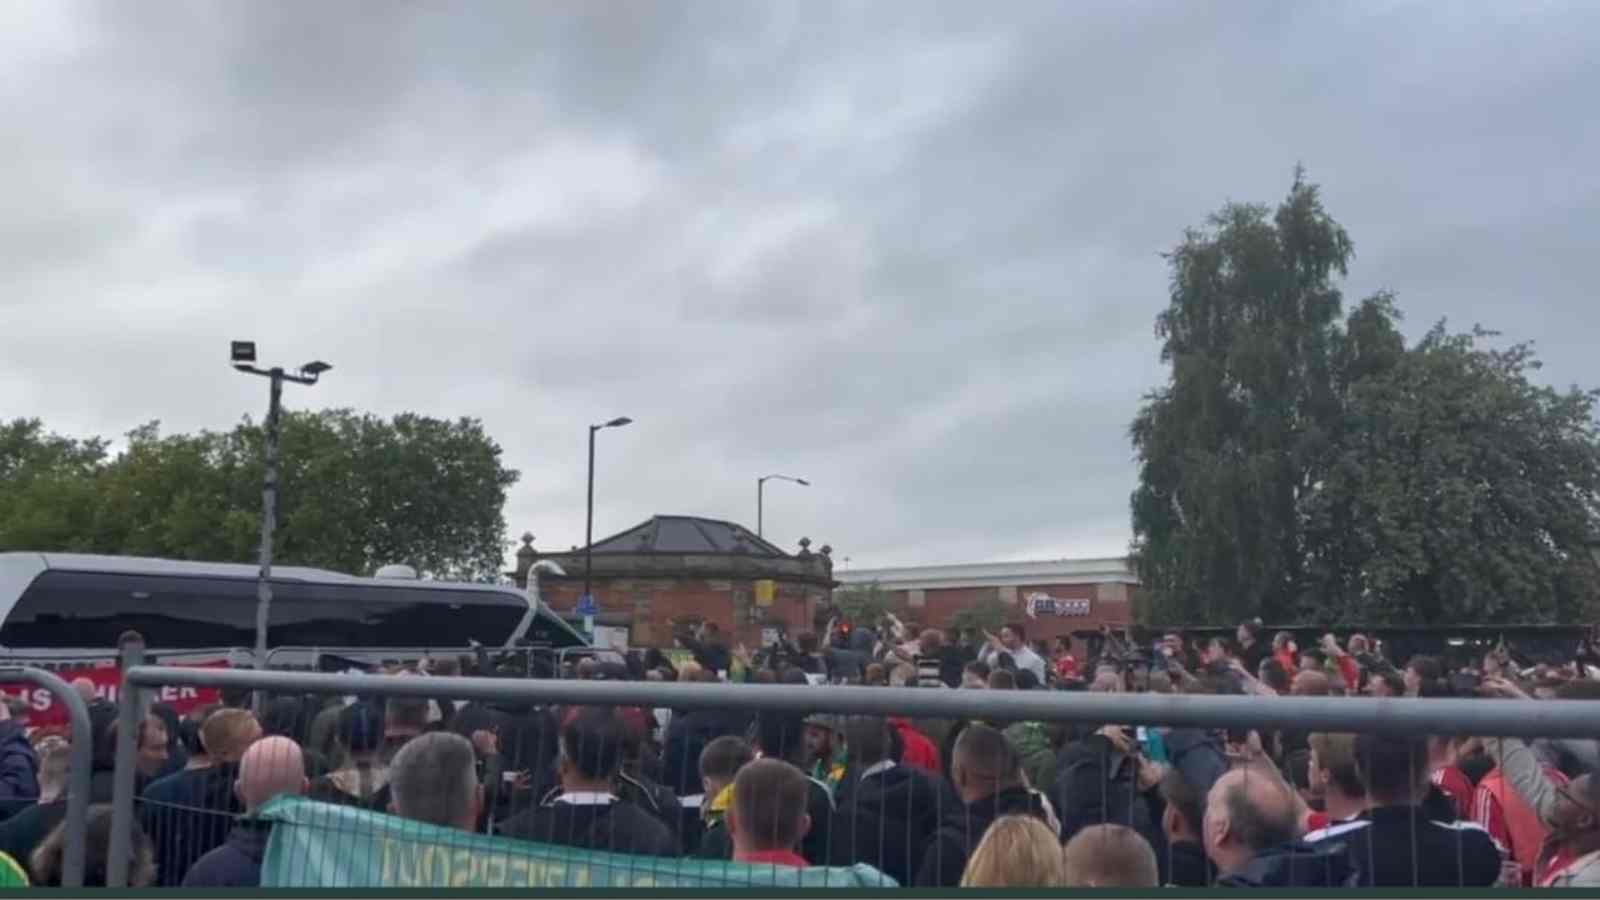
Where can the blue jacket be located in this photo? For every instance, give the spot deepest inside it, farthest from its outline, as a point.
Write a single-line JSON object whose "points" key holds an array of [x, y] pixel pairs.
{"points": [[19, 765], [237, 863]]}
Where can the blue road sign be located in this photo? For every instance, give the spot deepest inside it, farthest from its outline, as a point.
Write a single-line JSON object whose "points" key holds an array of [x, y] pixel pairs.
{"points": [[586, 606]]}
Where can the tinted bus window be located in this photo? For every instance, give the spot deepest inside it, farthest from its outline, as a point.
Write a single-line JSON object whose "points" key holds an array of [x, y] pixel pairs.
{"points": [[74, 609]]}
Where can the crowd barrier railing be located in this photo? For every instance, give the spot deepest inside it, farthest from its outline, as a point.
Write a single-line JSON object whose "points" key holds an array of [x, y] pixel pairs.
{"points": [[1395, 716]]}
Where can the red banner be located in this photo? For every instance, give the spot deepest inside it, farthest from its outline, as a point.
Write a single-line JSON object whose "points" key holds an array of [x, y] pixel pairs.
{"points": [[45, 710]]}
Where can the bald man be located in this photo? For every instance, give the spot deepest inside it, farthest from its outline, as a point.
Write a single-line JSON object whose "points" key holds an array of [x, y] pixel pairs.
{"points": [[1251, 834], [270, 768]]}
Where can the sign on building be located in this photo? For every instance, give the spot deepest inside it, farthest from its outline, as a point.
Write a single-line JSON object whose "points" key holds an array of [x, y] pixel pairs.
{"points": [[1042, 604], [766, 589]]}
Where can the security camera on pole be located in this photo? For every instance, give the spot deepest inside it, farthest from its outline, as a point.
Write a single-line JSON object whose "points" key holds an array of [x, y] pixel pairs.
{"points": [[244, 358]]}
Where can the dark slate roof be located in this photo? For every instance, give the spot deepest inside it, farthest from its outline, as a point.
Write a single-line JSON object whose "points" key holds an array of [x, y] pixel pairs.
{"points": [[688, 534]]}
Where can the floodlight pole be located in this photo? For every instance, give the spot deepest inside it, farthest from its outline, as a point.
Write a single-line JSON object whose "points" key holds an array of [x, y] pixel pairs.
{"points": [[269, 516], [307, 375]]}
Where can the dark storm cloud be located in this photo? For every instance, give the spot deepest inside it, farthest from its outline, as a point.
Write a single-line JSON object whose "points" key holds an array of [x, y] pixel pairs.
{"points": [[909, 251]]}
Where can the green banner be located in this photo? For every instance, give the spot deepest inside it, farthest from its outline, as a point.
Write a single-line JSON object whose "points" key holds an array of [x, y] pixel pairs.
{"points": [[323, 845]]}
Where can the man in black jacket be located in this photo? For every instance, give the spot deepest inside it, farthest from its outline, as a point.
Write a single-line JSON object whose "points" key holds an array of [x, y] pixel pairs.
{"points": [[1096, 781], [886, 812], [586, 812], [1397, 842], [272, 766], [988, 777]]}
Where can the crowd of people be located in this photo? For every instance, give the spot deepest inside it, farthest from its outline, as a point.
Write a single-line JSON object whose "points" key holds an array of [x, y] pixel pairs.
{"points": [[931, 803]]}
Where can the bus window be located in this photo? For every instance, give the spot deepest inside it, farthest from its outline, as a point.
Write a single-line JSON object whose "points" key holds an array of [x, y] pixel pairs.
{"points": [[79, 609]]}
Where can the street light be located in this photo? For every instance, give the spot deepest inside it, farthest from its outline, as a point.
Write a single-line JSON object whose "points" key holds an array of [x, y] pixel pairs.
{"points": [[588, 528], [243, 357], [761, 484]]}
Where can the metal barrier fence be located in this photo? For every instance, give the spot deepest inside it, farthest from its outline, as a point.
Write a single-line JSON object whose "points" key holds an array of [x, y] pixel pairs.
{"points": [[79, 769], [370, 849]]}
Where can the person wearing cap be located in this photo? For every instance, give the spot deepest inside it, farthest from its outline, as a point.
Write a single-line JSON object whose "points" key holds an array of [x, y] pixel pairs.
{"points": [[825, 748]]}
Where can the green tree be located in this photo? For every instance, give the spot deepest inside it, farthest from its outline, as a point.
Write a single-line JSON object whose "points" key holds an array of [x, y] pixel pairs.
{"points": [[862, 604], [1462, 492], [355, 492], [46, 486], [1296, 467], [1243, 425]]}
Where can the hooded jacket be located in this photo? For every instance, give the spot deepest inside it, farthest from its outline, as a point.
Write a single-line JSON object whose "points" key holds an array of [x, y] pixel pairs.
{"points": [[887, 815], [915, 748], [945, 858]]}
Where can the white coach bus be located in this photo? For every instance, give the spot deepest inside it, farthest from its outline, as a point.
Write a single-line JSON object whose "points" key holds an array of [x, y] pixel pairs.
{"points": [[75, 606]]}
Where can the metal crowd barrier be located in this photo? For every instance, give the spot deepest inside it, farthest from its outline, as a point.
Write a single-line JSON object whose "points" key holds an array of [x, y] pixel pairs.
{"points": [[1401, 716], [1395, 716], [80, 766]]}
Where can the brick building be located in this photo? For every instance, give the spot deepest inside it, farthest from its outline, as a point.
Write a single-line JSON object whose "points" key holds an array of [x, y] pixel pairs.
{"points": [[1065, 596], [686, 569]]}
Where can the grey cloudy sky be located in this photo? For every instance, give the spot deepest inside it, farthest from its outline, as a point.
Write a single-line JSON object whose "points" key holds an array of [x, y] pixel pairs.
{"points": [[907, 250]]}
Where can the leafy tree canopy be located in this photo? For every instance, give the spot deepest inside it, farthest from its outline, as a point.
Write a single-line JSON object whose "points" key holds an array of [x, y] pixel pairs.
{"points": [[355, 492], [1301, 464]]}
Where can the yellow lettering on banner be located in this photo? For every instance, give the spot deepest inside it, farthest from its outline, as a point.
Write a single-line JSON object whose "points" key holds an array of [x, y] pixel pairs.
{"points": [[386, 849], [582, 877], [644, 881]]}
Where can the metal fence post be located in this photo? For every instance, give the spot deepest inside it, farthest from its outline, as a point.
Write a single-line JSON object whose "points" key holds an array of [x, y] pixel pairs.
{"points": [[78, 776], [130, 711]]}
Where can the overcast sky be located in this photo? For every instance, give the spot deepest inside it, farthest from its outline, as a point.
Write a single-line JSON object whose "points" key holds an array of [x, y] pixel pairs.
{"points": [[910, 251]]}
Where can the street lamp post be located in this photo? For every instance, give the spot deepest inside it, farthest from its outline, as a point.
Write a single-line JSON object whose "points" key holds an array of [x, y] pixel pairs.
{"points": [[761, 484], [244, 358], [588, 527]]}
